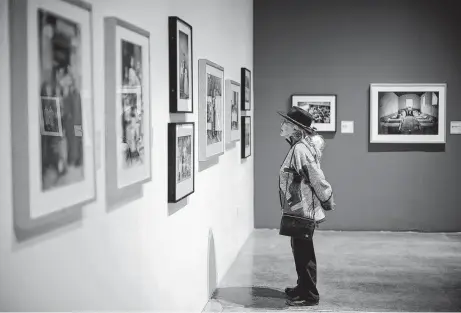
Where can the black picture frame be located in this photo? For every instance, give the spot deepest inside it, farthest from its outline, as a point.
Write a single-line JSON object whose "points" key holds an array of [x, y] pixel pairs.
{"points": [[243, 80], [172, 155], [243, 138], [175, 105]]}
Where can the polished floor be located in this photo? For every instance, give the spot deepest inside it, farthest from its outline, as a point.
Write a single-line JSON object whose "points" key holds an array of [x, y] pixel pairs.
{"points": [[357, 271]]}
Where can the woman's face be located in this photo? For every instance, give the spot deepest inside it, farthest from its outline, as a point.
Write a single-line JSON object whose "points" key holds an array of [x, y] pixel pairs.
{"points": [[287, 128]]}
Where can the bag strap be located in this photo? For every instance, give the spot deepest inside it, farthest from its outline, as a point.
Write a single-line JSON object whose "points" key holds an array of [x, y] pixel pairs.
{"points": [[286, 181]]}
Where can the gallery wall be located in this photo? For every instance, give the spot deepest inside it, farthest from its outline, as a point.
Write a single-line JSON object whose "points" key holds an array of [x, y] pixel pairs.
{"points": [[145, 254], [341, 47]]}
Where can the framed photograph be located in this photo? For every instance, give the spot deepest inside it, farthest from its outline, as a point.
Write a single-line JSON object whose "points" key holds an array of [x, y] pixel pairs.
{"points": [[211, 110], [246, 137], [50, 116], [127, 108], [181, 160], [232, 111], [246, 89], [321, 107], [407, 113], [52, 107], [181, 60]]}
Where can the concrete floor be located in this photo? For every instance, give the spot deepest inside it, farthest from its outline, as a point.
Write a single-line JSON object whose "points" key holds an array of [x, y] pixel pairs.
{"points": [[357, 271]]}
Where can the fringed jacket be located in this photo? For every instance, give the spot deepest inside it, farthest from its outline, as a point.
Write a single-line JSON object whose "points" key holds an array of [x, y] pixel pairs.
{"points": [[303, 188]]}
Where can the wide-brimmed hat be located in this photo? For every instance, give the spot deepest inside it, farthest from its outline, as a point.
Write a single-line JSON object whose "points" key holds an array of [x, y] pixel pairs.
{"points": [[300, 117]]}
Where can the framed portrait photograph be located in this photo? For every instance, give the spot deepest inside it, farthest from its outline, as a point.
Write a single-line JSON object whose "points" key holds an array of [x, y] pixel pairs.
{"points": [[52, 107], [181, 160], [232, 111], [127, 107], [407, 113], [50, 116], [321, 107], [246, 137], [211, 110], [245, 77], [181, 69]]}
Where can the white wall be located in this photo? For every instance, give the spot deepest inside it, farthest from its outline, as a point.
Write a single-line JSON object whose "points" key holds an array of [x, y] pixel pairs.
{"points": [[146, 255]]}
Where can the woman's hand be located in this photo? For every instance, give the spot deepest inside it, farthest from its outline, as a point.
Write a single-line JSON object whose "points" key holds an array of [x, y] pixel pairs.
{"points": [[329, 205]]}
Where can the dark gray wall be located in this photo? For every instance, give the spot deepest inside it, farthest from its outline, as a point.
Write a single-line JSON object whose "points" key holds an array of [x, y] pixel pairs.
{"points": [[340, 47]]}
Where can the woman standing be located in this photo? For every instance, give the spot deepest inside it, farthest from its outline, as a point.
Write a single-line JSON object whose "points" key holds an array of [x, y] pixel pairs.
{"points": [[304, 195]]}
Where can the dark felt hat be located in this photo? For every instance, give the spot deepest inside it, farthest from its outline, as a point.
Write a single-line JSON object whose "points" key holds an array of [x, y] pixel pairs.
{"points": [[299, 117]]}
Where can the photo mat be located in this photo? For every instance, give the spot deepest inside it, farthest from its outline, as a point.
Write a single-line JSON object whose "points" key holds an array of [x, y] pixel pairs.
{"points": [[321, 107], [211, 110], [232, 111], [214, 109], [132, 104], [407, 113]]}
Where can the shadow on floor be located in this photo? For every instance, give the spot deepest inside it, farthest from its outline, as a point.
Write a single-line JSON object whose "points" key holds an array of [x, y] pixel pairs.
{"points": [[251, 297]]}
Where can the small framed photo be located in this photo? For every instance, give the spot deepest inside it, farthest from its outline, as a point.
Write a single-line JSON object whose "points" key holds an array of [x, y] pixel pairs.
{"points": [[181, 69], [52, 113], [127, 108], [50, 116], [321, 107], [211, 110], [246, 137], [232, 111], [246, 89], [181, 160], [407, 113]]}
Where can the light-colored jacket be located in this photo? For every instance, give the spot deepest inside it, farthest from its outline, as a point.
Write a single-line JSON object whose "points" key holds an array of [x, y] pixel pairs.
{"points": [[299, 172]]}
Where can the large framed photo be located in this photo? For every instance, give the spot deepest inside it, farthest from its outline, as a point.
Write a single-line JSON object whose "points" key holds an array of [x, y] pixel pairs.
{"points": [[211, 110], [246, 89], [246, 137], [181, 160], [52, 108], [407, 113], [232, 111], [321, 107], [181, 72], [127, 108]]}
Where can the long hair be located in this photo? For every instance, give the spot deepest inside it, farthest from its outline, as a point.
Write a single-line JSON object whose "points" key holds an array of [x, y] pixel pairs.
{"points": [[298, 133]]}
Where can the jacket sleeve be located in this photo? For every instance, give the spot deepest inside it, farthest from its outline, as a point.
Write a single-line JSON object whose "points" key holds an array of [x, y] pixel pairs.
{"points": [[305, 164]]}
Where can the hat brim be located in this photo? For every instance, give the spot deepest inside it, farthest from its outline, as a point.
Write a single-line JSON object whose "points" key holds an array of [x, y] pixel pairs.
{"points": [[308, 129]]}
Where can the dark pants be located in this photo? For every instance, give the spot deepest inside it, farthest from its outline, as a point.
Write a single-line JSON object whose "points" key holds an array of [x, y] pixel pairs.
{"points": [[306, 266]]}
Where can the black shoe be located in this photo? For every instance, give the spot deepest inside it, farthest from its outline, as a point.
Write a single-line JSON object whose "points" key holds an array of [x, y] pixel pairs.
{"points": [[301, 302], [292, 292]]}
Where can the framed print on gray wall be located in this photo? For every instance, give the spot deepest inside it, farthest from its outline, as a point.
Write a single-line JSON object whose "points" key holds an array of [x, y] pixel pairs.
{"points": [[245, 75], [181, 69], [321, 107], [51, 108], [232, 111], [407, 113], [181, 160], [127, 108], [211, 110], [246, 137]]}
